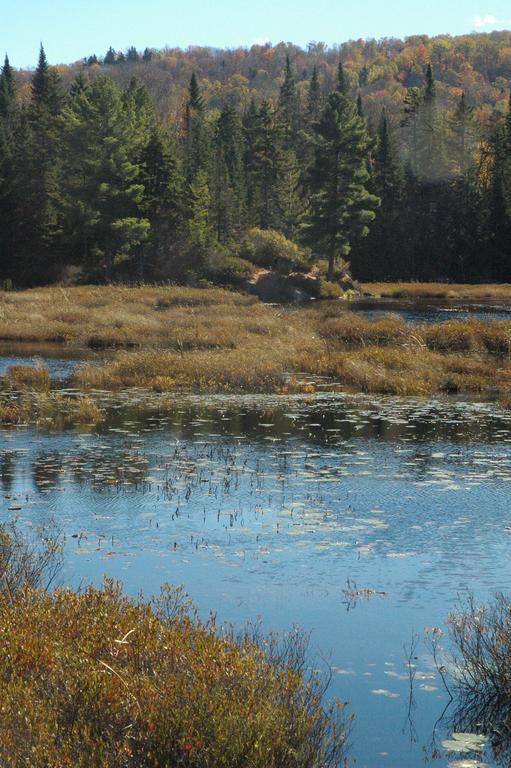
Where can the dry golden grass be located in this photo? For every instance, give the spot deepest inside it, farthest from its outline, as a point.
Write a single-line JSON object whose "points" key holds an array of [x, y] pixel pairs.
{"points": [[218, 341], [497, 291]]}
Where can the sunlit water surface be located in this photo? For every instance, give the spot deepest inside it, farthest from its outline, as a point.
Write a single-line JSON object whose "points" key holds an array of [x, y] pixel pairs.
{"points": [[267, 507]]}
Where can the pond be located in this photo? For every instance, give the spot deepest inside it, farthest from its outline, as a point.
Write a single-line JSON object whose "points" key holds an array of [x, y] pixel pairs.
{"points": [[433, 311], [287, 509]]}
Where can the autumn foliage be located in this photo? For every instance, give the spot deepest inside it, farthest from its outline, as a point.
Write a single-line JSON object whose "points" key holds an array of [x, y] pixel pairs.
{"points": [[97, 679]]}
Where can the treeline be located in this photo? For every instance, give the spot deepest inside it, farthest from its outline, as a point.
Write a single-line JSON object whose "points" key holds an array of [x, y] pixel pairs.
{"points": [[95, 184]]}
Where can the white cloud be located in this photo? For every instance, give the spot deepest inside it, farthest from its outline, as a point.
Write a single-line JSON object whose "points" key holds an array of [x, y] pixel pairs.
{"points": [[485, 21]]}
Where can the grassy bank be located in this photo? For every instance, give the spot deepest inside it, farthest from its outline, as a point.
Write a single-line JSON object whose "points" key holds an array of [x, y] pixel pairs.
{"points": [[169, 339], [454, 291]]}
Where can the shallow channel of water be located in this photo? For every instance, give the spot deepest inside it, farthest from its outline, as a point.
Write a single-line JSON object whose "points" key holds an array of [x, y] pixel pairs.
{"points": [[268, 506]]}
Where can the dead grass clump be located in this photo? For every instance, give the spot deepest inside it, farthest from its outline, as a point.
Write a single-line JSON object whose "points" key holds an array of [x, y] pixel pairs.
{"points": [[356, 331], [452, 336], [29, 376], [50, 408], [389, 371], [439, 290], [97, 680], [237, 370], [85, 411]]}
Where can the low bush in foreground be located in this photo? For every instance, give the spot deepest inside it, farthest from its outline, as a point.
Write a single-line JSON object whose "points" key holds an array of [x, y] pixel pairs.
{"points": [[97, 679], [94, 679]]}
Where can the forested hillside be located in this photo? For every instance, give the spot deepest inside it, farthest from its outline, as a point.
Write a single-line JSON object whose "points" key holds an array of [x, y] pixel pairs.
{"points": [[199, 164]]}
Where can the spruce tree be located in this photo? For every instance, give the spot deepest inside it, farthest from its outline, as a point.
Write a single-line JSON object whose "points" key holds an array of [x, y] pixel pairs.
{"points": [[102, 196], [7, 90], [266, 147], [196, 133], [313, 98], [289, 110], [341, 205], [384, 245], [8, 120], [289, 195], [342, 81], [110, 57], [41, 81], [229, 199]]}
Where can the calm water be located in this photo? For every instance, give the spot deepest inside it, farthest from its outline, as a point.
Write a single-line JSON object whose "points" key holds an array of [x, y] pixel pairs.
{"points": [[426, 312], [266, 507]]}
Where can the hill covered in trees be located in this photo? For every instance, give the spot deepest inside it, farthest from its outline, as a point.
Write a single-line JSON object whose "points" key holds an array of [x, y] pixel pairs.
{"points": [[202, 163]]}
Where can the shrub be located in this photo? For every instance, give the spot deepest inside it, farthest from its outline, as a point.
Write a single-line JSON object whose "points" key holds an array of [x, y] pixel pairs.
{"points": [[228, 270], [97, 680], [268, 248], [33, 376]]}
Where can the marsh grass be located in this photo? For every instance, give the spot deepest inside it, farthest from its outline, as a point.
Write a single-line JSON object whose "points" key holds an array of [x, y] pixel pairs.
{"points": [[498, 291], [51, 408], [211, 340]]}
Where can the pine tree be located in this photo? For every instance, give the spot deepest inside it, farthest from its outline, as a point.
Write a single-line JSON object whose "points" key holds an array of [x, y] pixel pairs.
{"points": [[41, 81], [266, 145], [132, 54], [341, 205], [342, 82], [289, 195], [8, 120], [102, 193], [199, 201], [384, 242], [7, 91], [313, 98], [289, 110], [196, 134], [360, 106], [79, 84], [110, 57], [195, 100], [461, 142], [163, 201], [229, 199]]}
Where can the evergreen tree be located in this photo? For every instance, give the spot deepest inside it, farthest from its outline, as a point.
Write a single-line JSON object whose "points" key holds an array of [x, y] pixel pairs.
{"points": [[7, 91], [384, 244], [360, 106], [314, 98], [342, 85], [266, 147], [102, 193], [132, 54], [341, 205], [163, 199], [289, 195], [229, 198], [79, 84], [8, 119], [199, 201], [110, 57], [41, 81], [288, 105], [197, 140]]}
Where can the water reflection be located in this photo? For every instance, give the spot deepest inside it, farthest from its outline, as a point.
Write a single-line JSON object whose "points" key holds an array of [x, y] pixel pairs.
{"points": [[268, 506]]}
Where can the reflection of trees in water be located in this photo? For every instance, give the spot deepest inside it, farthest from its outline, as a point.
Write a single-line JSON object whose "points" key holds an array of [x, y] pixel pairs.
{"points": [[47, 470], [480, 674], [7, 468]]}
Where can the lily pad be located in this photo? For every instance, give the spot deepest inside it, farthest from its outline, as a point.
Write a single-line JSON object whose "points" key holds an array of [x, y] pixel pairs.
{"points": [[465, 742]]}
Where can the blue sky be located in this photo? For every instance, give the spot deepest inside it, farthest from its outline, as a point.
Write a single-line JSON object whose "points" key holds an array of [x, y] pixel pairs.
{"points": [[71, 29]]}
